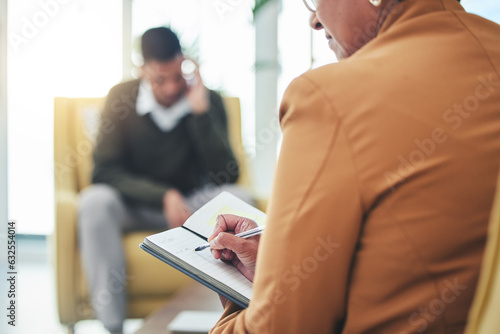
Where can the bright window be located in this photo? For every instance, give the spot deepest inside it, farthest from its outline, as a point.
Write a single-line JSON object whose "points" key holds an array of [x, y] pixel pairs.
{"points": [[55, 48]]}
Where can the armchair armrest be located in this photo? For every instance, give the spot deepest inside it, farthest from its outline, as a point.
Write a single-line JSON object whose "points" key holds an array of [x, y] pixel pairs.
{"points": [[65, 253]]}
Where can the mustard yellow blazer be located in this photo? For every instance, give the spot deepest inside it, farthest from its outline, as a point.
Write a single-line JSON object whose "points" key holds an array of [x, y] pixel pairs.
{"points": [[384, 185]]}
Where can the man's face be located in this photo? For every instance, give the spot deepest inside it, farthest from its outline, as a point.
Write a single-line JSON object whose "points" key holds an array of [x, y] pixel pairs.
{"points": [[166, 79]]}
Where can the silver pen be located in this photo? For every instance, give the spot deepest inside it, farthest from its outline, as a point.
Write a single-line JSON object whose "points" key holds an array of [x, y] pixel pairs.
{"points": [[246, 234]]}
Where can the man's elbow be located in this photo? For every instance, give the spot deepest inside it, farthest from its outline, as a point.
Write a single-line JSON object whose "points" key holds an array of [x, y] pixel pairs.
{"points": [[98, 176]]}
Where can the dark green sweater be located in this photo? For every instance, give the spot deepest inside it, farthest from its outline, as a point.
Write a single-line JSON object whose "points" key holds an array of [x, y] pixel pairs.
{"points": [[134, 156]]}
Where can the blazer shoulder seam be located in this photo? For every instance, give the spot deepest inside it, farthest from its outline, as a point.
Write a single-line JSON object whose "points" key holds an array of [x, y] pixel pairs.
{"points": [[341, 127]]}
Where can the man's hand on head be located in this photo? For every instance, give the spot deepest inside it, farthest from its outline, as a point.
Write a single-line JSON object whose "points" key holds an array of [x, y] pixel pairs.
{"points": [[197, 94]]}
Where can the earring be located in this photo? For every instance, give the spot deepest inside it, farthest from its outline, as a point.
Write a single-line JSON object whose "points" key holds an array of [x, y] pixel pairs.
{"points": [[376, 3]]}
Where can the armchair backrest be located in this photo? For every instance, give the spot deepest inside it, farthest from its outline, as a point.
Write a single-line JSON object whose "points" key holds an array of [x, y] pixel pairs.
{"points": [[76, 123], [75, 119], [484, 315]]}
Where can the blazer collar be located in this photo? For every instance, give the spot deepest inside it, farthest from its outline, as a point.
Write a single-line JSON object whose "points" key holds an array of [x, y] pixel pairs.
{"points": [[410, 9]]}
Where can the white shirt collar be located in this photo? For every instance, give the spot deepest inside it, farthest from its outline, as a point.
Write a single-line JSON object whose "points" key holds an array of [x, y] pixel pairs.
{"points": [[166, 118]]}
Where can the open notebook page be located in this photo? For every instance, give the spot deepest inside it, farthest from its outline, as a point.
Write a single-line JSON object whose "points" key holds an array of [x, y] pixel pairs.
{"points": [[181, 243], [203, 220]]}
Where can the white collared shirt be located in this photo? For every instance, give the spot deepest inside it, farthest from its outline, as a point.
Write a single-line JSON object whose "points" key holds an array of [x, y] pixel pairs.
{"points": [[166, 118]]}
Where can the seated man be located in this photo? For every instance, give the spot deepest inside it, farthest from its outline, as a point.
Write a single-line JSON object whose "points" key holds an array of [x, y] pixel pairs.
{"points": [[162, 153]]}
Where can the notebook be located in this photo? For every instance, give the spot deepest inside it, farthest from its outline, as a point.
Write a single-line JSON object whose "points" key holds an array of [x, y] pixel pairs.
{"points": [[176, 248]]}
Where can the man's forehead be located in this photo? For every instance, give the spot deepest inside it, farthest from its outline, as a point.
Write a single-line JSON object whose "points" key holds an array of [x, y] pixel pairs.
{"points": [[165, 68]]}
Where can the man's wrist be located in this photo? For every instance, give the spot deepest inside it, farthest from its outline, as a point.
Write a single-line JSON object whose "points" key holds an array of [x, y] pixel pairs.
{"points": [[167, 194], [200, 109]]}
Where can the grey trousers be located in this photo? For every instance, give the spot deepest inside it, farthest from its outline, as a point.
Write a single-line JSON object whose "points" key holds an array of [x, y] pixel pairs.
{"points": [[103, 218]]}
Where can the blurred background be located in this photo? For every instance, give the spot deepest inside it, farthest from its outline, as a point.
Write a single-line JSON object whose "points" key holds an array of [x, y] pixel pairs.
{"points": [[84, 47], [81, 48]]}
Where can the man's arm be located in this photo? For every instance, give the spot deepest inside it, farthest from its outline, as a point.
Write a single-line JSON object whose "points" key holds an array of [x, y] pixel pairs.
{"points": [[109, 164], [305, 254], [209, 134]]}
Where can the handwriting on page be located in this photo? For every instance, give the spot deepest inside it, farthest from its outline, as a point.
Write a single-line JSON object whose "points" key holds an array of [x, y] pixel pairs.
{"points": [[182, 250], [226, 273], [182, 243]]}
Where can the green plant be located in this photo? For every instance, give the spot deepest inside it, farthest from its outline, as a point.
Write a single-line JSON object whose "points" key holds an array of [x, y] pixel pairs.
{"points": [[259, 4]]}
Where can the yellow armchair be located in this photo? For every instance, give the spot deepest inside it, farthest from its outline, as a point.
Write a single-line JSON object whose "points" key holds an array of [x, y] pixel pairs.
{"points": [[484, 315], [150, 282]]}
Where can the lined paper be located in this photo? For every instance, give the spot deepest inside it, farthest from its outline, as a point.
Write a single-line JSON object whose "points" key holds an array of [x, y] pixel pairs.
{"points": [[203, 220], [181, 243]]}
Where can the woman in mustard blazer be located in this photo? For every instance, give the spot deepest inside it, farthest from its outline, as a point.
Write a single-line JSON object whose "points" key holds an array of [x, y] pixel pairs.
{"points": [[379, 209]]}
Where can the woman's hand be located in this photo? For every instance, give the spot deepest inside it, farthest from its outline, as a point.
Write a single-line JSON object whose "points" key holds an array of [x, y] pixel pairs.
{"points": [[242, 253]]}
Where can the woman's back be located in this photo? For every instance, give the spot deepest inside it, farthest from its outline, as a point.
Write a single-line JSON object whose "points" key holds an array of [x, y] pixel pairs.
{"points": [[420, 108], [378, 217]]}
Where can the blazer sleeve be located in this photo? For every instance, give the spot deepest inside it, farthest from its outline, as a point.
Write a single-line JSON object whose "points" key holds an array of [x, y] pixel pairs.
{"points": [[314, 221]]}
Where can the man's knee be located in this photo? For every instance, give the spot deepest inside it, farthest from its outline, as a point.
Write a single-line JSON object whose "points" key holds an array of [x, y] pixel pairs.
{"points": [[100, 198]]}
